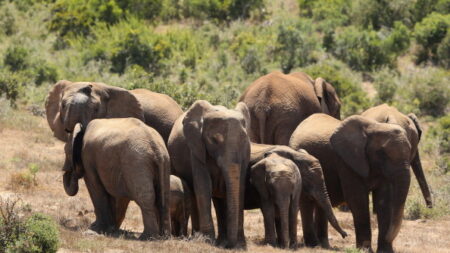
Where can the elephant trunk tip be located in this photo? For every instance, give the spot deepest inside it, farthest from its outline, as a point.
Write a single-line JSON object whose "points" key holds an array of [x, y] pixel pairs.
{"points": [[429, 203], [343, 233]]}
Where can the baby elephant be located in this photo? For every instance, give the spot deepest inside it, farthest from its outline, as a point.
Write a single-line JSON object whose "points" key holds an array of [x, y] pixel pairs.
{"points": [[121, 160], [180, 206], [278, 182]]}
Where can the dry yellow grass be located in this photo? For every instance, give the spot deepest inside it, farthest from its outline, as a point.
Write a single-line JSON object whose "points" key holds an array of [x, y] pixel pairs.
{"points": [[21, 145]]}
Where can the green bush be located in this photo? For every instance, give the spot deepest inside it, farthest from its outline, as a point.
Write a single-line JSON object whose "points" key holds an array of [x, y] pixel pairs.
{"points": [[354, 99], [221, 10], [45, 73], [295, 44], [442, 132], [16, 58], [40, 236], [133, 50], [147, 9], [443, 52], [429, 34], [385, 82], [10, 85], [7, 21]]}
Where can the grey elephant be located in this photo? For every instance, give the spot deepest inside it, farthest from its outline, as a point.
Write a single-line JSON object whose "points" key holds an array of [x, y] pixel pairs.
{"points": [[276, 178], [279, 102], [209, 149], [69, 103], [388, 114], [121, 160], [180, 206], [359, 156]]}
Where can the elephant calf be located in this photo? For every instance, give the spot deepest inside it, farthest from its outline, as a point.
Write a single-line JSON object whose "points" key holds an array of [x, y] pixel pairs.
{"points": [[180, 206], [121, 160], [278, 183]]}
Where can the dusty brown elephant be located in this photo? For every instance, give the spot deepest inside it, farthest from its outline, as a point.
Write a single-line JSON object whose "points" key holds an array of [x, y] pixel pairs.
{"points": [[359, 156], [279, 102], [121, 160], [260, 189], [180, 206], [209, 149], [388, 114], [69, 103]]}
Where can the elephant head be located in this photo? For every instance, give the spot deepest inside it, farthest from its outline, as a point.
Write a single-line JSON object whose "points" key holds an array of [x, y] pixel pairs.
{"points": [[73, 168], [70, 103], [379, 154], [329, 100], [313, 183], [217, 134]]}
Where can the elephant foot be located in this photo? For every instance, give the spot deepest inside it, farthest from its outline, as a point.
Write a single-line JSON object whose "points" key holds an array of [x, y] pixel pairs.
{"points": [[387, 248], [102, 228], [147, 237]]}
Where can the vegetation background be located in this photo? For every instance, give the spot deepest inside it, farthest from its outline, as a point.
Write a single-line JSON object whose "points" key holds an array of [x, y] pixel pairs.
{"points": [[372, 51]]}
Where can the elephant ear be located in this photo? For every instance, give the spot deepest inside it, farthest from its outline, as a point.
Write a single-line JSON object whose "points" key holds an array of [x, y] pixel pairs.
{"points": [[120, 103], [77, 144], [349, 141], [329, 101], [415, 120], [242, 108], [52, 105], [193, 127], [258, 172]]}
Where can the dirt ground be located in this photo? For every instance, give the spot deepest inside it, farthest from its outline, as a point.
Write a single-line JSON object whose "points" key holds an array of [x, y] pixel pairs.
{"points": [[27, 142]]}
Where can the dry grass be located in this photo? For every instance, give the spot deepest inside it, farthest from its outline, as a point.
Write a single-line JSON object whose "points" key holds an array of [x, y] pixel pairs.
{"points": [[33, 144]]}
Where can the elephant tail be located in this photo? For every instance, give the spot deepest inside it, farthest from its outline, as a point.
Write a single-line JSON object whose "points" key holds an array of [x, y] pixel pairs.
{"points": [[164, 195], [261, 116]]}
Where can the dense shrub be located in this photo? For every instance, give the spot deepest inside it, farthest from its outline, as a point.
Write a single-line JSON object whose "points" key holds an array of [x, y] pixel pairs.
{"points": [[10, 85], [295, 44], [429, 34], [443, 52], [147, 9], [385, 82], [220, 10], [16, 58], [45, 72]]}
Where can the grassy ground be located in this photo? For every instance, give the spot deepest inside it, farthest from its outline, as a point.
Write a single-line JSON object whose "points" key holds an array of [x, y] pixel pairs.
{"points": [[27, 146]]}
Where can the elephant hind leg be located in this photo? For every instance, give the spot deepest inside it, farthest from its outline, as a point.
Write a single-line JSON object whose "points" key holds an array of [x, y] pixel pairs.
{"points": [[120, 206], [147, 202]]}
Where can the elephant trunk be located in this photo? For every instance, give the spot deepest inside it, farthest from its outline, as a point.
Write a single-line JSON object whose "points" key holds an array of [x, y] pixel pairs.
{"points": [[323, 200], [233, 191], [282, 208], [420, 176], [70, 181], [399, 192]]}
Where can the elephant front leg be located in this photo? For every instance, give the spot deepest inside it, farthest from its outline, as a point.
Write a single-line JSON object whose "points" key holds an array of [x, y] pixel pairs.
{"points": [[203, 195], [358, 202], [268, 211], [321, 222], [307, 213], [220, 206]]}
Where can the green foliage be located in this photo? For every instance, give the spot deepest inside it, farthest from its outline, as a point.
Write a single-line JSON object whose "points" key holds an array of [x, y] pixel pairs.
{"points": [[220, 10], [443, 52], [40, 236], [442, 132], [7, 21], [385, 82], [10, 85], [45, 73], [429, 34], [16, 58], [147, 9], [347, 85], [295, 44]]}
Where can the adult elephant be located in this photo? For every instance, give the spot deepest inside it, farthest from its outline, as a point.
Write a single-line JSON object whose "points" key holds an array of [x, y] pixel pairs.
{"points": [[120, 160], [69, 103], [209, 149], [388, 114], [258, 181], [358, 156], [279, 102]]}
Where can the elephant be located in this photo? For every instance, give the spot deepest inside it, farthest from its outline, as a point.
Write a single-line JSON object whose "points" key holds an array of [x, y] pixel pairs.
{"points": [[209, 149], [279, 102], [358, 156], [278, 183], [388, 114], [180, 206], [120, 159], [69, 103], [264, 165]]}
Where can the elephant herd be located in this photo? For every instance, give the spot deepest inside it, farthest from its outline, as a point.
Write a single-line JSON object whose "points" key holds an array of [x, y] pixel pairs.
{"points": [[283, 149]]}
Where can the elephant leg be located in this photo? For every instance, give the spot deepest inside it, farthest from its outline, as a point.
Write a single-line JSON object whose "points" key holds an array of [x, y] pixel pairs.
{"points": [[103, 210], [283, 134], [220, 206], [175, 227], [146, 200], [268, 211], [195, 223], [293, 219], [307, 214], [321, 223], [203, 196], [120, 206], [381, 200], [358, 201]]}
